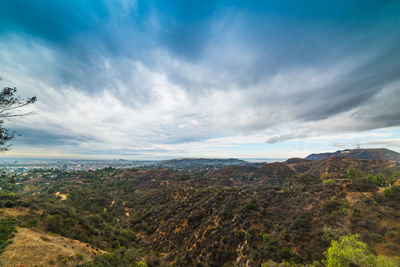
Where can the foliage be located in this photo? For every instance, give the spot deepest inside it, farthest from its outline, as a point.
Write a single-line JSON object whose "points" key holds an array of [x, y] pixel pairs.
{"points": [[9, 103], [252, 205], [393, 178], [31, 223], [285, 254], [337, 207], [329, 182], [163, 212], [392, 192], [376, 237], [380, 179], [332, 233], [361, 183], [122, 257], [350, 251], [352, 173], [7, 231]]}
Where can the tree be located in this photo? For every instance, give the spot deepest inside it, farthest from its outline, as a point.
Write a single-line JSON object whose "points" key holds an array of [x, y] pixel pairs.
{"points": [[380, 179], [352, 173], [350, 251], [393, 178], [10, 104]]}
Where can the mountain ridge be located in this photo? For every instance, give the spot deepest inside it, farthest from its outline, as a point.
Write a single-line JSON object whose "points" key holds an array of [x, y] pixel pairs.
{"points": [[360, 153]]}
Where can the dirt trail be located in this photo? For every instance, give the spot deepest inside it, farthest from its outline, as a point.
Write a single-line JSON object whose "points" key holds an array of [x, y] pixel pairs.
{"points": [[62, 196]]}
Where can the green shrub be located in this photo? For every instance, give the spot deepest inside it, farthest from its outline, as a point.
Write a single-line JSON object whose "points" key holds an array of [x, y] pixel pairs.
{"points": [[152, 260], [380, 179], [31, 223], [369, 201], [329, 182], [352, 173], [252, 205], [376, 237], [7, 232], [332, 233], [363, 184], [393, 178], [349, 251], [392, 192], [331, 205], [285, 254]]}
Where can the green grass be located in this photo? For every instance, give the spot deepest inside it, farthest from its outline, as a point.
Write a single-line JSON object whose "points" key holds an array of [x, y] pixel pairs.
{"points": [[7, 232]]}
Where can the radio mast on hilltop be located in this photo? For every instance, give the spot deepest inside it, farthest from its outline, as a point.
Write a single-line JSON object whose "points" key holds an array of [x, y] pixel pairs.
{"points": [[358, 145]]}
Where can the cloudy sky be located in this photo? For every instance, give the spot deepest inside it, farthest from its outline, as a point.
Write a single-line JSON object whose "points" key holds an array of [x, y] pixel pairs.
{"points": [[163, 79]]}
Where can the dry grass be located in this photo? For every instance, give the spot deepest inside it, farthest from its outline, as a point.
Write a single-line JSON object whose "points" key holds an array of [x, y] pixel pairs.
{"points": [[33, 248], [9, 212]]}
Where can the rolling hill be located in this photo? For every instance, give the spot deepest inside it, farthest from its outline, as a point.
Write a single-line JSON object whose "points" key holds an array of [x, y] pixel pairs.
{"points": [[240, 215], [366, 153]]}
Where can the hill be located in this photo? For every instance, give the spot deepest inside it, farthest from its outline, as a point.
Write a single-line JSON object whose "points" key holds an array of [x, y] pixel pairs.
{"points": [[238, 215], [33, 247], [366, 153]]}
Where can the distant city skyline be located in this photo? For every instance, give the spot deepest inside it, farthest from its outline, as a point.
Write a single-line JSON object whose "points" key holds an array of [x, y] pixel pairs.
{"points": [[219, 79]]}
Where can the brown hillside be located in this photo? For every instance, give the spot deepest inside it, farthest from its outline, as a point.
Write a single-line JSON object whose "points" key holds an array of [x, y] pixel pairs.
{"points": [[33, 248], [334, 167]]}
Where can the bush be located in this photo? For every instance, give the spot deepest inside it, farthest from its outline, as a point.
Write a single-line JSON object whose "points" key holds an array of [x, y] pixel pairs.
{"points": [[331, 205], [376, 237], [352, 173], [329, 182], [393, 178], [252, 205], [364, 184], [349, 251], [285, 254], [380, 179], [393, 192], [332, 233], [7, 231], [152, 260], [31, 223]]}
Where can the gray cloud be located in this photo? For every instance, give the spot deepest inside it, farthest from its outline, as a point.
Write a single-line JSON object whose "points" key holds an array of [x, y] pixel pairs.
{"points": [[174, 74]]}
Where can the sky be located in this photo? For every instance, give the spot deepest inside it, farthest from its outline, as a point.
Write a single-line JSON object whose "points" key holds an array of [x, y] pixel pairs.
{"points": [[170, 79]]}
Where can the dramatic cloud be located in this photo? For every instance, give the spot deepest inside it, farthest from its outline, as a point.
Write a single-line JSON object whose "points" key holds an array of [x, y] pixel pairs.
{"points": [[179, 78]]}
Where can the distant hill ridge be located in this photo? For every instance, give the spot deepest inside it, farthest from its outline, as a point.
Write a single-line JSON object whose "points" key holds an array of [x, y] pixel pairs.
{"points": [[365, 153], [203, 161]]}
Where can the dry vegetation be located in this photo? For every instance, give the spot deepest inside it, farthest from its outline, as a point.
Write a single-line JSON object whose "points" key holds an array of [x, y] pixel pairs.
{"points": [[34, 248], [239, 215]]}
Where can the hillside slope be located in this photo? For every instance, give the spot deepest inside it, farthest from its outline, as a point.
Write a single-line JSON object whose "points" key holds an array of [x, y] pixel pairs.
{"points": [[366, 153], [238, 215], [33, 248]]}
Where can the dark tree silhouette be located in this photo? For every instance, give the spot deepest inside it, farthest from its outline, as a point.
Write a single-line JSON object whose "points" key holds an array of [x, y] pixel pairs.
{"points": [[10, 105]]}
